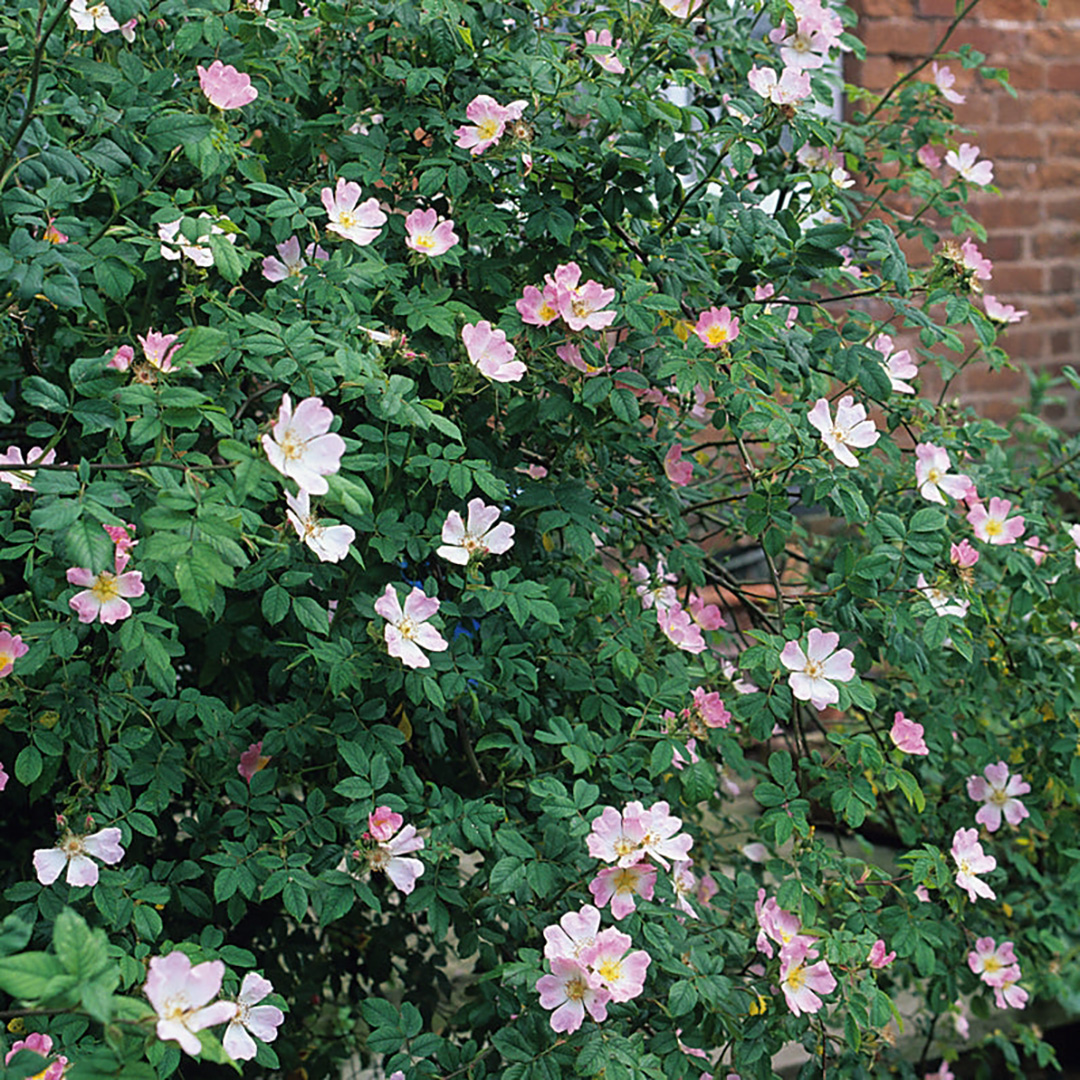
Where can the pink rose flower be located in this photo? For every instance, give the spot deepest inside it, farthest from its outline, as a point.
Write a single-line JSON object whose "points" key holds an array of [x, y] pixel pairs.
{"points": [[122, 358], [990, 961], [580, 305], [878, 957], [4, 778], [971, 258], [301, 446], [998, 790], [538, 308], [944, 80], [802, 981], [41, 1044], [1008, 995], [907, 736], [791, 87], [607, 60], [620, 884], [329, 542], [73, 853], [707, 616], [573, 934], [429, 234], [928, 157], [291, 263], [225, 87], [850, 429], [159, 349], [621, 974], [252, 760], [262, 1021], [814, 671], [93, 17], [106, 594], [965, 160], [898, 365], [711, 708], [407, 631], [679, 628], [942, 602], [180, 995], [489, 120], [389, 855], [19, 478], [480, 537], [932, 474], [963, 555], [171, 239], [717, 327], [52, 235], [971, 861], [994, 526], [659, 590], [1002, 313], [679, 472], [359, 223], [11, 648], [490, 353], [571, 990]]}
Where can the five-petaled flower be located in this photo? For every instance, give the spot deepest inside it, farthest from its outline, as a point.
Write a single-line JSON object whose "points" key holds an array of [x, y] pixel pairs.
{"points": [[407, 631], [620, 884], [942, 602], [998, 790], [21, 479], [679, 472], [581, 305], [329, 542], [570, 990], [391, 845], [944, 80], [106, 594], [180, 995], [850, 429], [292, 263], [74, 853], [428, 234], [994, 526], [999, 312], [480, 536], [489, 120], [878, 957], [801, 980], [990, 961], [898, 365], [11, 648], [262, 1021], [41, 1044], [490, 353], [907, 736], [252, 760], [619, 972], [932, 474], [607, 60], [225, 87], [301, 446], [717, 327], [815, 671], [971, 861], [93, 16], [965, 160], [359, 223], [159, 349]]}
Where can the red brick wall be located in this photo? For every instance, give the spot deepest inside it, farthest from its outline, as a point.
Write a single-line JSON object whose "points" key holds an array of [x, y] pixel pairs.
{"points": [[1034, 142]]}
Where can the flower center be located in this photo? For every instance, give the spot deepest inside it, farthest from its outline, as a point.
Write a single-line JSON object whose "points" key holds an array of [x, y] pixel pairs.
{"points": [[487, 129], [993, 527], [576, 988], [796, 978], [291, 447], [610, 971], [346, 220], [105, 587], [839, 434], [378, 858], [624, 847], [472, 544], [992, 964], [933, 476], [813, 669], [407, 629], [72, 846], [717, 335], [581, 308], [999, 798], [964, 865], [98, 11], [625, 881], [547, 311], [424, 240]]}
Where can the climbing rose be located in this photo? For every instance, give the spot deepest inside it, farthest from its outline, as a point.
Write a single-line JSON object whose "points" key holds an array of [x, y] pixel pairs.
{"points": [[812, 671], [851, 428], [73, 852], [490, 353], [226, 87], [11, 648], [301, 446], [360, 224], [679, 472], [663, 592], [159, 349], [714, 712], [607, 60], [122, 358], [22, 479], [963, 555], [907, 736], [407, 631], [989, 960], [580, 305], [252, 760], [707, 616], [539, 308], [944, 80], [679, 628], [998, 791], [792, 85], [1008, 995], [998, 312], [489, 120], [803, 982], [171, 237], [965, 161], [994, 526], [180, 995], [931, 474], [481, 536], [39, 1044], [329, 542], [970, 861], [942, 602], [106, 594], [573, 934], [4, 778], [261, 1020], [52, 235], [971, 258], [630, 836], [388, 855], [622, 975], [93, 17], [620, 884], [570, 990], [681, 9], [878, 958], [291, 262], [898, 365], [429, 234], [776, 924], [717, 327]]}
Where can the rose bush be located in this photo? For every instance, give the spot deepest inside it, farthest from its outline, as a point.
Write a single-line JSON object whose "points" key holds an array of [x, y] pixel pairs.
{"points": [[485, 629]]}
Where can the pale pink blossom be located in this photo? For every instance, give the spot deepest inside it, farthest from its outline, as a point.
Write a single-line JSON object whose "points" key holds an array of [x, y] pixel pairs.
{"points": [[942, 1073], [384, 822], [679, 472], [998, 312], [573, 933], [159, 349], [970, 861], [73, 854], [123, 538], [942, 602], [581, 305], [878, 958], [127, 31], [826, 158], [791, 86], [959, 1017], [755, 851], [928, 157], [907, 736], [570, 353], [122, 358], [620, 973], [1009, 995], [262, 1021], [329, 542], [677, 760], [171, 239], [717, 327], [1038, 551], [408, 632], [359, 223], [659, 590], [489, 120], [944, 80], [898, 365], [965, 160], [972, 259], [41, 1044], [637, 833], [802, 981], [990, 961], [252, 760], [710, 706], [180, 995], [21, 479], [93, 16], [538, 308], [537, 472], [292, 263], [679, 628], [607, 60], [850, 429], [4, 778], [963, 555], [922, 894], [390, 856], [707, 616], [815, 671], [105, 595], [681, 9], [479, 537], [52, 235], [11, 648], [570, 990], [301, 446], [225, 87], [775, 924], [998, 790], [994, 526], [429, 234], [490, 353], [620, 884], [804, 50], [932, 476]]}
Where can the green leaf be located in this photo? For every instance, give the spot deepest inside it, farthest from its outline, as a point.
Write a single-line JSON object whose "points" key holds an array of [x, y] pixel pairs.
{"points": [[26, 976], [311, 614], [15, 932], [82, 951], [506, 875], [89, 546], [226, 258], [43, 394], [201, 345], [167, 130], [275, 604], [28, 764], [682, 997]]}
